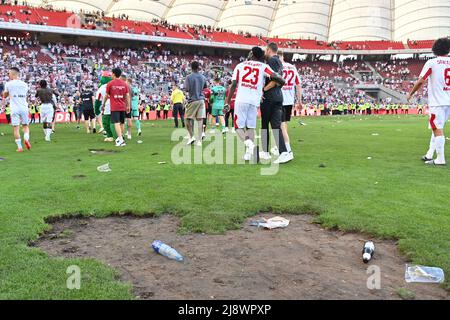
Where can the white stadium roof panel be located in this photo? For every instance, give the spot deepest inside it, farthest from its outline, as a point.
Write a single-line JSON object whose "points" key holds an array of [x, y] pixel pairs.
{"points": [[361, 20], [302, 19], [204, 12], [140, 9], [241, 16], [422, 20]]}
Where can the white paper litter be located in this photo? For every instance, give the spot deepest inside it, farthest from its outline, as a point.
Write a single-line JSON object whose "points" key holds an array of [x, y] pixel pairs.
{"points": [[104, 168], [273, 223]]}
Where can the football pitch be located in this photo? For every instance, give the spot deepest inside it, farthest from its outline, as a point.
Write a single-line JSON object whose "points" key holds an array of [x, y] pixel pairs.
{"points": [[357, 173]]}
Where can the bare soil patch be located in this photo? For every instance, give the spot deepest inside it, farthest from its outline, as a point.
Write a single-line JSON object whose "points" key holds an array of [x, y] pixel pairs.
{"points": [[303, 261]]}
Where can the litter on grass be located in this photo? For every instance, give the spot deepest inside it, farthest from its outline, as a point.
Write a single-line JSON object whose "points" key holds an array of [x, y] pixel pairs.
{"points": [[302, 123], [424, 274], [140, 142], [166, 251], [2, 159], [375, 134], [273, 223], [162, 162], [104, 168]]}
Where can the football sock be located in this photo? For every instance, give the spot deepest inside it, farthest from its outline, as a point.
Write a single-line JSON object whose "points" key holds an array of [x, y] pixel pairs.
{"points": [[19, 143], [440, 149], [138, 124], [432, 148], [288, 147]]}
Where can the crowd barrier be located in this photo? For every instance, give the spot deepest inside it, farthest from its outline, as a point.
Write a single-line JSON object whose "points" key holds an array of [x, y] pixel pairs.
{"points": [[62, 117]]}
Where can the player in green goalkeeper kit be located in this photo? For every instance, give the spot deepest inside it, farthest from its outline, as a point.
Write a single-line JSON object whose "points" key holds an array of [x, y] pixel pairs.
{"points": [[217, 100]]}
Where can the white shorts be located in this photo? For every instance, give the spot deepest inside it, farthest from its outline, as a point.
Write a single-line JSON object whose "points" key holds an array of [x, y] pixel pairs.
{"points": [[438, 117], [245, 116], [20, 117], [47, 113]]}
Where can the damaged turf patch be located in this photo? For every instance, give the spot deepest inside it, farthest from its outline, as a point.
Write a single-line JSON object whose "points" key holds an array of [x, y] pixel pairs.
{"points": [[103, 151], [302, 261]]}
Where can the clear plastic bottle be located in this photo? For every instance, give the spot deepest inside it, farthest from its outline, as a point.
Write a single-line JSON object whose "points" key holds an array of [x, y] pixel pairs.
{"points": [[167, 251]]}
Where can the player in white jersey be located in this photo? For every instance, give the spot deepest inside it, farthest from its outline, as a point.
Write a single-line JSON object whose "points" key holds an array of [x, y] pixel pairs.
{"points": [[437, 72], [292, 90], [17, 90], [249, 79]]}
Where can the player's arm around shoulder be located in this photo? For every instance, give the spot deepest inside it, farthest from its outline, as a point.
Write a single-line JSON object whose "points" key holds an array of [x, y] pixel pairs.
{"points": [[6, 91]]}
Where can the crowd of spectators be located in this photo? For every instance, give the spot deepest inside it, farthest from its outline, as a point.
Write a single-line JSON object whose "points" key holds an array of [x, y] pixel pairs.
{"points": [[74, 67], [69, 68]]}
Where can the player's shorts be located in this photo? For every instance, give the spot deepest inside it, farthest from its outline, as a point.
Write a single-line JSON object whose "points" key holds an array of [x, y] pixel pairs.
{"points": [[196, 110], [217, 112], [287, 113], [245, 116], [438, 117], [78, 112], [88, 114], [133, 114], [118, 116], [47, 113], [20, 117]]}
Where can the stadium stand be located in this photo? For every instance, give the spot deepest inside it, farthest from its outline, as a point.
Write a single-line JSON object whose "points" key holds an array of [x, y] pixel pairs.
{"points": [[50, 17]]}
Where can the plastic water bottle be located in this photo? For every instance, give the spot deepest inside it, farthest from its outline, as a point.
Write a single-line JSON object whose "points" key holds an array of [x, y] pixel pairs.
{"points": [[166, 251], [368, 251]]}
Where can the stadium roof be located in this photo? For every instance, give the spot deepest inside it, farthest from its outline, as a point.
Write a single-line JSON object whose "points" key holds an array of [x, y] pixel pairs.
{"points": [[329, 20]]}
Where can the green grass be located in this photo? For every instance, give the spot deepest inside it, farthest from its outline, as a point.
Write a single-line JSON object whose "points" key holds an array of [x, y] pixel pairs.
{"points": [[405, 294], [391, 196]]}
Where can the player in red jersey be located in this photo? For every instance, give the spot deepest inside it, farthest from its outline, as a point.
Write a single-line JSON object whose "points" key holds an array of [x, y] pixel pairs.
{"points": [[230, 113]]}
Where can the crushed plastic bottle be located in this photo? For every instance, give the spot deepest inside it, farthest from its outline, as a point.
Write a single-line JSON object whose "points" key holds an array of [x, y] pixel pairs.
{"points": [[167, 251], [424, 274], [368, 251]]}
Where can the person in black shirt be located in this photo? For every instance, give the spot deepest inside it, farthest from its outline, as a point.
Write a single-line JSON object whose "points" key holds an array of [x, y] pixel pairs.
{"points": [[87, 104], [77, 108], [272, 110]]}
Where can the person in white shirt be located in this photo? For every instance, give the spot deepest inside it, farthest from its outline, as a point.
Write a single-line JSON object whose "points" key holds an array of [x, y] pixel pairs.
{"points": [[17, 90], [249, 79], [437, 72]]}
